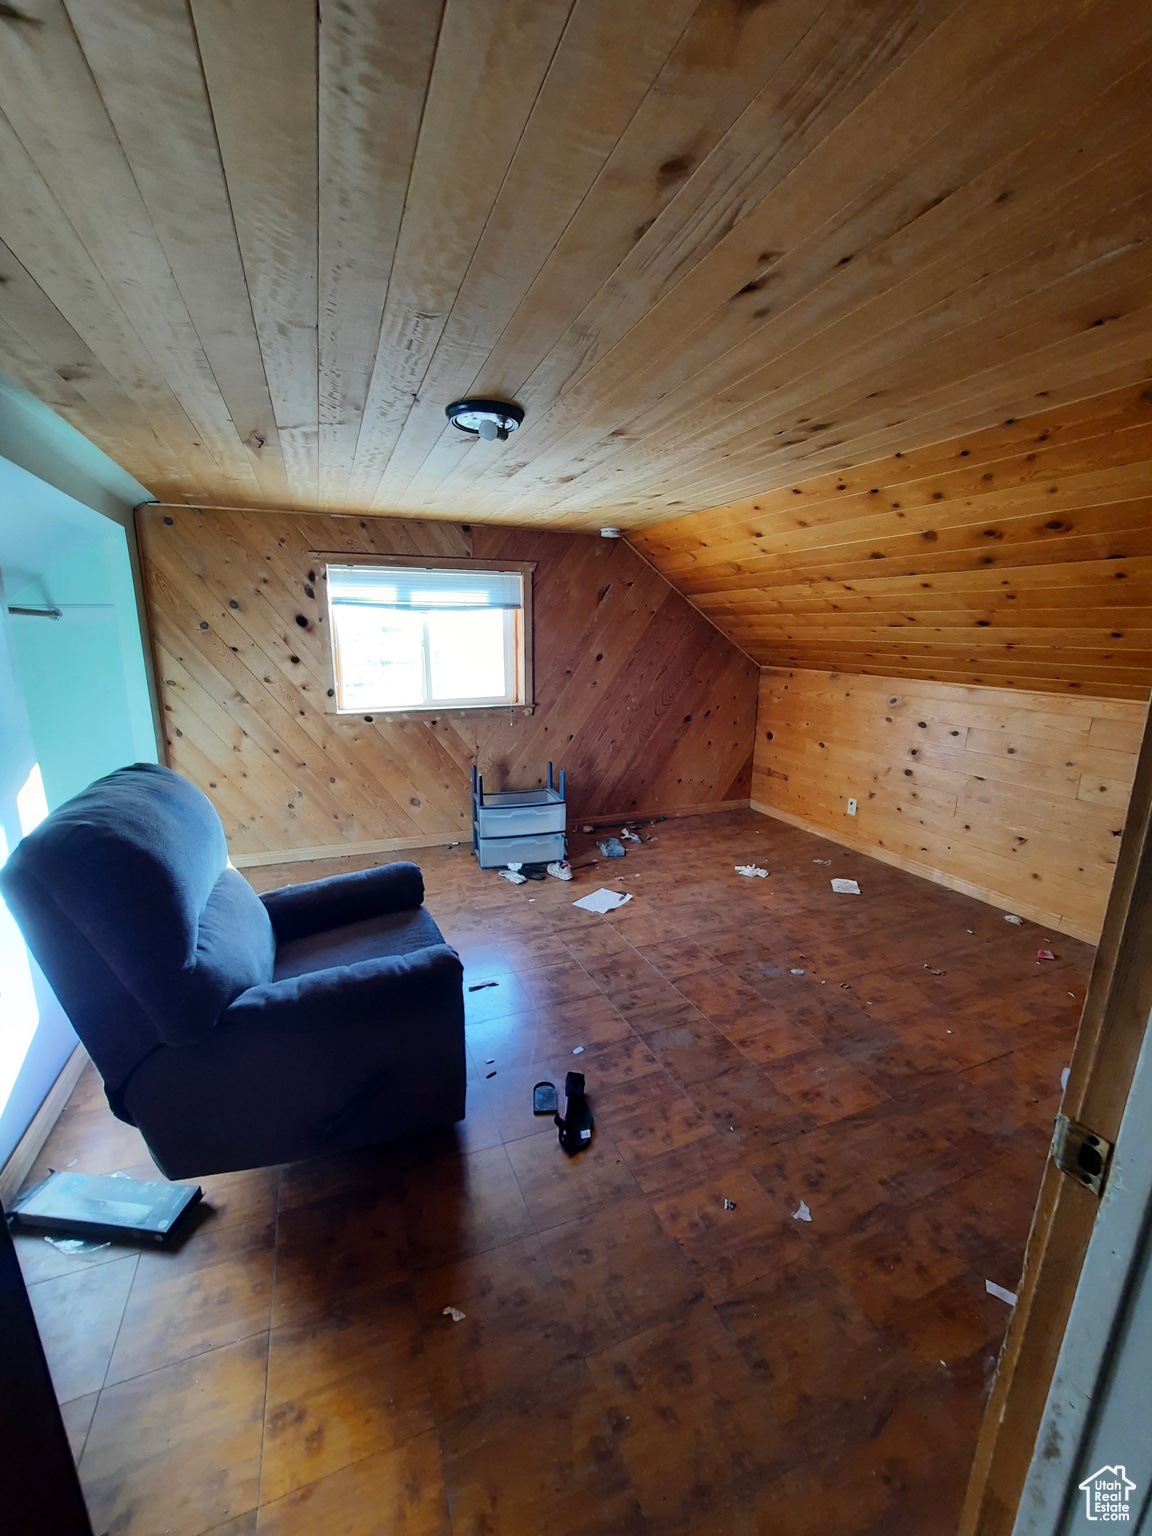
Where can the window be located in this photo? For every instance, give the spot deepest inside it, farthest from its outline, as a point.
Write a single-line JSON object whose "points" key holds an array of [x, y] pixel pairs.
{"points": [[412, 636]]}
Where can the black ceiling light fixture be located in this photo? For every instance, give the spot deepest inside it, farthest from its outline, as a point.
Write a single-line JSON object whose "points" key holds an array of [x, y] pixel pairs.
{"points": [[488, 419]]}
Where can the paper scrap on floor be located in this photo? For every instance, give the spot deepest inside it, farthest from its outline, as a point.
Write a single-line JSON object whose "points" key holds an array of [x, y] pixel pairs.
{"points": [[75, 1244], [602, 901], [803, 1214], [846, 887], [752, 871], [1000, 1293]]}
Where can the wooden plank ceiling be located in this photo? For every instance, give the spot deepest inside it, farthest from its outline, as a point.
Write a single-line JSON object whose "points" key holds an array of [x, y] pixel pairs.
{"points": [[1017, 556], [252, 247]]}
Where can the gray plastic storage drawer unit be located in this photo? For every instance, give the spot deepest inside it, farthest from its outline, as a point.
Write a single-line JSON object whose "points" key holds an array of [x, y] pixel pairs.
{"points": [[522, 826]]}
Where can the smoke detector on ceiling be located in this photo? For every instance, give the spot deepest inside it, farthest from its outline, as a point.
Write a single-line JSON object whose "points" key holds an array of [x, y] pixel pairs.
{"points": [[487, 419]]}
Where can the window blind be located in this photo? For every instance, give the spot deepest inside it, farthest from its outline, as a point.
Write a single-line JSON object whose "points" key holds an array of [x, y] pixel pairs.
{"points": [[384, 586]]}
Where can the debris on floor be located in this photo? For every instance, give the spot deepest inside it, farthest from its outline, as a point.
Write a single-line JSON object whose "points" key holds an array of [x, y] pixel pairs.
{"points": [[575, 1120], [803, 1214], [729, 1205], [513, 876], [489, 1074], [931, 969], [612, 848], [75, 1245], [577, 1050], [560, 869], [587, 827], [602, 901], [1045, 954], [629, 836], [1010, 917], [798, 971], [1000, 1293], [1064, 1076], [544, 1100], [751, 871], [846, 887], [478, 986], [821, 861], [454, 1313]]}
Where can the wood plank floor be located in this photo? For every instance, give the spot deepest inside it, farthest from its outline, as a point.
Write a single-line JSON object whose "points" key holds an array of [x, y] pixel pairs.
{"points": [[635, 1357]]}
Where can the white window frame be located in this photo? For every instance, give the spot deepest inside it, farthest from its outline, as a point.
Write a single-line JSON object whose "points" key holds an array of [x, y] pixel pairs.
{"points": [[517, 638]]}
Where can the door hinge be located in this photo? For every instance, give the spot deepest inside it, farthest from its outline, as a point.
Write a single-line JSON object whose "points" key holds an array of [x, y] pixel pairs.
{"points": [[1081, 1154]]}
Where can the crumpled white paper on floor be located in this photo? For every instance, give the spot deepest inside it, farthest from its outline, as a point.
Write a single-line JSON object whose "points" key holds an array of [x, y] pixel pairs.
{"points": [[603, 901], [846, 887]]}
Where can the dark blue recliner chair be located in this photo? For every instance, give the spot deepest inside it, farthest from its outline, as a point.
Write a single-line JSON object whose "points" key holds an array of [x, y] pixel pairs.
{"points": [[235, 1030]]}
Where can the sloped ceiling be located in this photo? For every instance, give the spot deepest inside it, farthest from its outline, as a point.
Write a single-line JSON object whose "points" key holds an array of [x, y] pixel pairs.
{"points": [[253, 247], [1017, 556]]}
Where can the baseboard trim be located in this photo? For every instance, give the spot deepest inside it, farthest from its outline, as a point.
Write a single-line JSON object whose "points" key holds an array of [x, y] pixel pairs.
{"points": [[347, 850], [983, 893], [27, 1150], [621, 818], [446, 840]]}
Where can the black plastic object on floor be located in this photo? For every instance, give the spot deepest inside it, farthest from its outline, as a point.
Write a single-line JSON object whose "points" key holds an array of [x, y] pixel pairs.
{"points": [[575, 1118], [106, 1207], [544, 1100]]}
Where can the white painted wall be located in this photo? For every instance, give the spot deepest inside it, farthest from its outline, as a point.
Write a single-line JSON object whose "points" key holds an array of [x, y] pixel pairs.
{"points": [[83, 675], [75, 700], [36, 1038]]}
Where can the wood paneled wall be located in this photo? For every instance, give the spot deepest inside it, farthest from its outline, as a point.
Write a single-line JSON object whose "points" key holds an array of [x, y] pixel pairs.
{"points": [[709, 245], [1017, 798], [1019, 557], [645, 703]]}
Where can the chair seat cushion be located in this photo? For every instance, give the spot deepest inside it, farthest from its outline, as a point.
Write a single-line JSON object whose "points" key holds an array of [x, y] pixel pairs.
{"points": [[395, 933]]}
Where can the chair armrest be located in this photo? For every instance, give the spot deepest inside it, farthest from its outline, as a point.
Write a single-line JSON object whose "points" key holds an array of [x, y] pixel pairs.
{"points": [[299, 910], [420, 983]]}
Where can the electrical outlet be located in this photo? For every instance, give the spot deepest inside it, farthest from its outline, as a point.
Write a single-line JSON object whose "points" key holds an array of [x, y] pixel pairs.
{"points": [[851, 807]]}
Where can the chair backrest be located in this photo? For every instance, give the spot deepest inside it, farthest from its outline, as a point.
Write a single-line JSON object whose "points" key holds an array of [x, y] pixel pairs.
{"points": [[125, 897]]}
